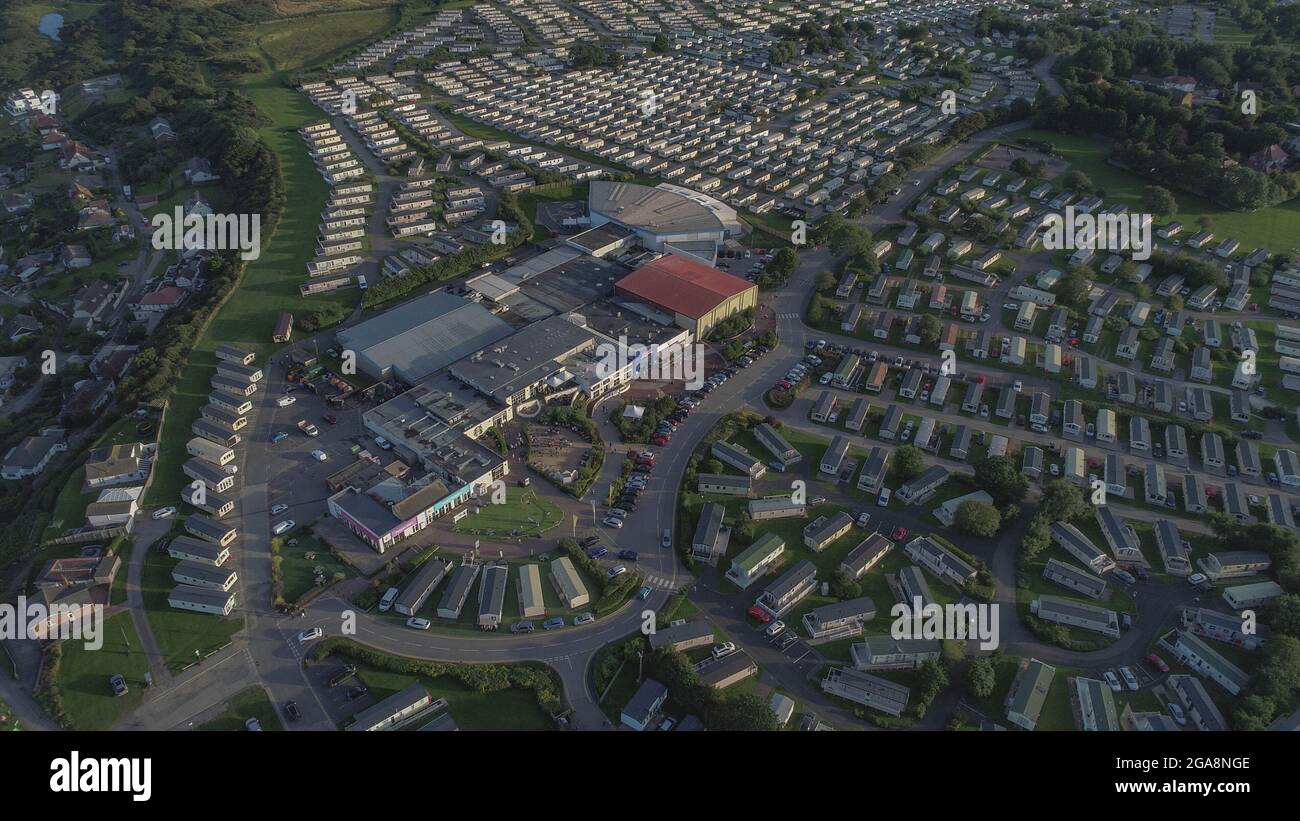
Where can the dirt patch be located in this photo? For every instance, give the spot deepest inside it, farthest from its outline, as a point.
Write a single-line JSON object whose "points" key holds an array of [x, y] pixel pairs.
{"points": [[552, 450]]}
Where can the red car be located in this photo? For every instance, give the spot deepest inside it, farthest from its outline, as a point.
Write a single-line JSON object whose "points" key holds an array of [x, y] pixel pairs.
{"points": [[659, 440], [759, 613], [899, 534], [1158, 663]]}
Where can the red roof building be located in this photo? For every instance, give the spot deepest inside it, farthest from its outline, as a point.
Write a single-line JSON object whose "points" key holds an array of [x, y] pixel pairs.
{"points": [[698, 296]]}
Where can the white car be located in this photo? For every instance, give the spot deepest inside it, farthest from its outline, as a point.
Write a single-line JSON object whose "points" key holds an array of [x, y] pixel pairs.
{"points": [[1113, 681], [1130, 680], [1017, 386], [617, 524], [308, 635], [774, 628], [319, 455], [724, 649], [279, 509], [165, 512], [286, 401], [418, 623], [883, 501], [615, 572], [283, 527], [1197, 579]]}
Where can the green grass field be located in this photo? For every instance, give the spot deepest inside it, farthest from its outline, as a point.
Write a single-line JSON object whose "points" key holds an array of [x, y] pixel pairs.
{"points": [[1277, 228], [84, 673], [305, 42], [524, 511], [300, 571]]}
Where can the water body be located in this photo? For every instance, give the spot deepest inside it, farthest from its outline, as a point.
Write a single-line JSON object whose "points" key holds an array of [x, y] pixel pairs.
{"points": [[50, 25]]}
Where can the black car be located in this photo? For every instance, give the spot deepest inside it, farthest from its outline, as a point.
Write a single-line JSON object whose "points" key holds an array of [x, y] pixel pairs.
{"points": [[1252, 434], [355, 693], [627, 555], [292, 711], [589, 541]]}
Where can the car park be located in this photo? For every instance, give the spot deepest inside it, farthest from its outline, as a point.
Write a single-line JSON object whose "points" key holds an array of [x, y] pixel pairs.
{"points": [[279, 437], [597, 552]]}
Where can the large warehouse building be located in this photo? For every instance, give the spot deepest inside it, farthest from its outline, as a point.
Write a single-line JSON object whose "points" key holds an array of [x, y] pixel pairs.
{"points": [[422, 336], [668, 218], [696, 295]]}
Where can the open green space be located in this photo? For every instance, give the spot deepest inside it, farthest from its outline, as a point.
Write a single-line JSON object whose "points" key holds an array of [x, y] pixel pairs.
{"points": [[523, 514], [299, 564], [83, 675], [303, 42]]}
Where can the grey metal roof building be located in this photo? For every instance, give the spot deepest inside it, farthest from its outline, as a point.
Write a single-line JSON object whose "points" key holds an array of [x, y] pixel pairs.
{"points": [[457, 591], [393, 710], [915, 586], [683, 636], [790, 587], [422, 336], [492, 596], [1074, 578], [417, 592], [644, 704], [865, 689], [652, 210]]}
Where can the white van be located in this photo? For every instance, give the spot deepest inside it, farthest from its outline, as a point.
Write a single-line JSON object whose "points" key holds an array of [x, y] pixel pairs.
{"points": [[883, 501], [387, 601]]}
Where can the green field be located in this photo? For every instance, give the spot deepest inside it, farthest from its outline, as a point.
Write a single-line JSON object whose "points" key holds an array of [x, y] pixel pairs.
{"points": [[524, 514], [300, 571], [305, 42], [83, 676], [1277, 228], [250, 703]]}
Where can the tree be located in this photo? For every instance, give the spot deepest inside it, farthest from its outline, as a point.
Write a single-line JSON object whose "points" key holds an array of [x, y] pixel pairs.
{"points": [[1074, 288], [1285, 615], [744, 711], [711, 466], [1002, 479], [977, 519], [1253, 713], [850, 239], [1063, 502], [1160, 200], [929, 331], [844, 586], [908, 462], [1078, 181], [981, 677], [1038, 536]]}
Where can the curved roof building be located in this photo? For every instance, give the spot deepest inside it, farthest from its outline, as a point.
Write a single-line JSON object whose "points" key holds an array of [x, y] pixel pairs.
{"points": [[666, 218]]}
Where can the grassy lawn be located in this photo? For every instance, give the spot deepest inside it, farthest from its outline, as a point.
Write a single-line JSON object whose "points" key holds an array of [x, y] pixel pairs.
{"points": [[250, 703], [84, 673], [1277, 228], [180, 633], [512, 709], [300, 571], [524, 513], [304, 42]]}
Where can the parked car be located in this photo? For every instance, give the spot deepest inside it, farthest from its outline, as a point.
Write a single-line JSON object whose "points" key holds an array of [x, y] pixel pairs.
{"points": [[310, 635], [616, 571], [614, 522], [119, 685], [292, 711], [724, 649], [1113, 681], [899, 534], [553, 624], [597, 552], [760, 614], [1158, 663], [164, 512], [253, 725], [774, 628], [280, 508], [522, 627], [1176, 712], [627, 555], [418, 623], [283, 527], [583, 618], [1130, 680]]}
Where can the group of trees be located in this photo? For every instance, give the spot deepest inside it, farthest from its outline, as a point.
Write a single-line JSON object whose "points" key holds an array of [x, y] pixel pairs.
{"points": [[718, 711]]}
